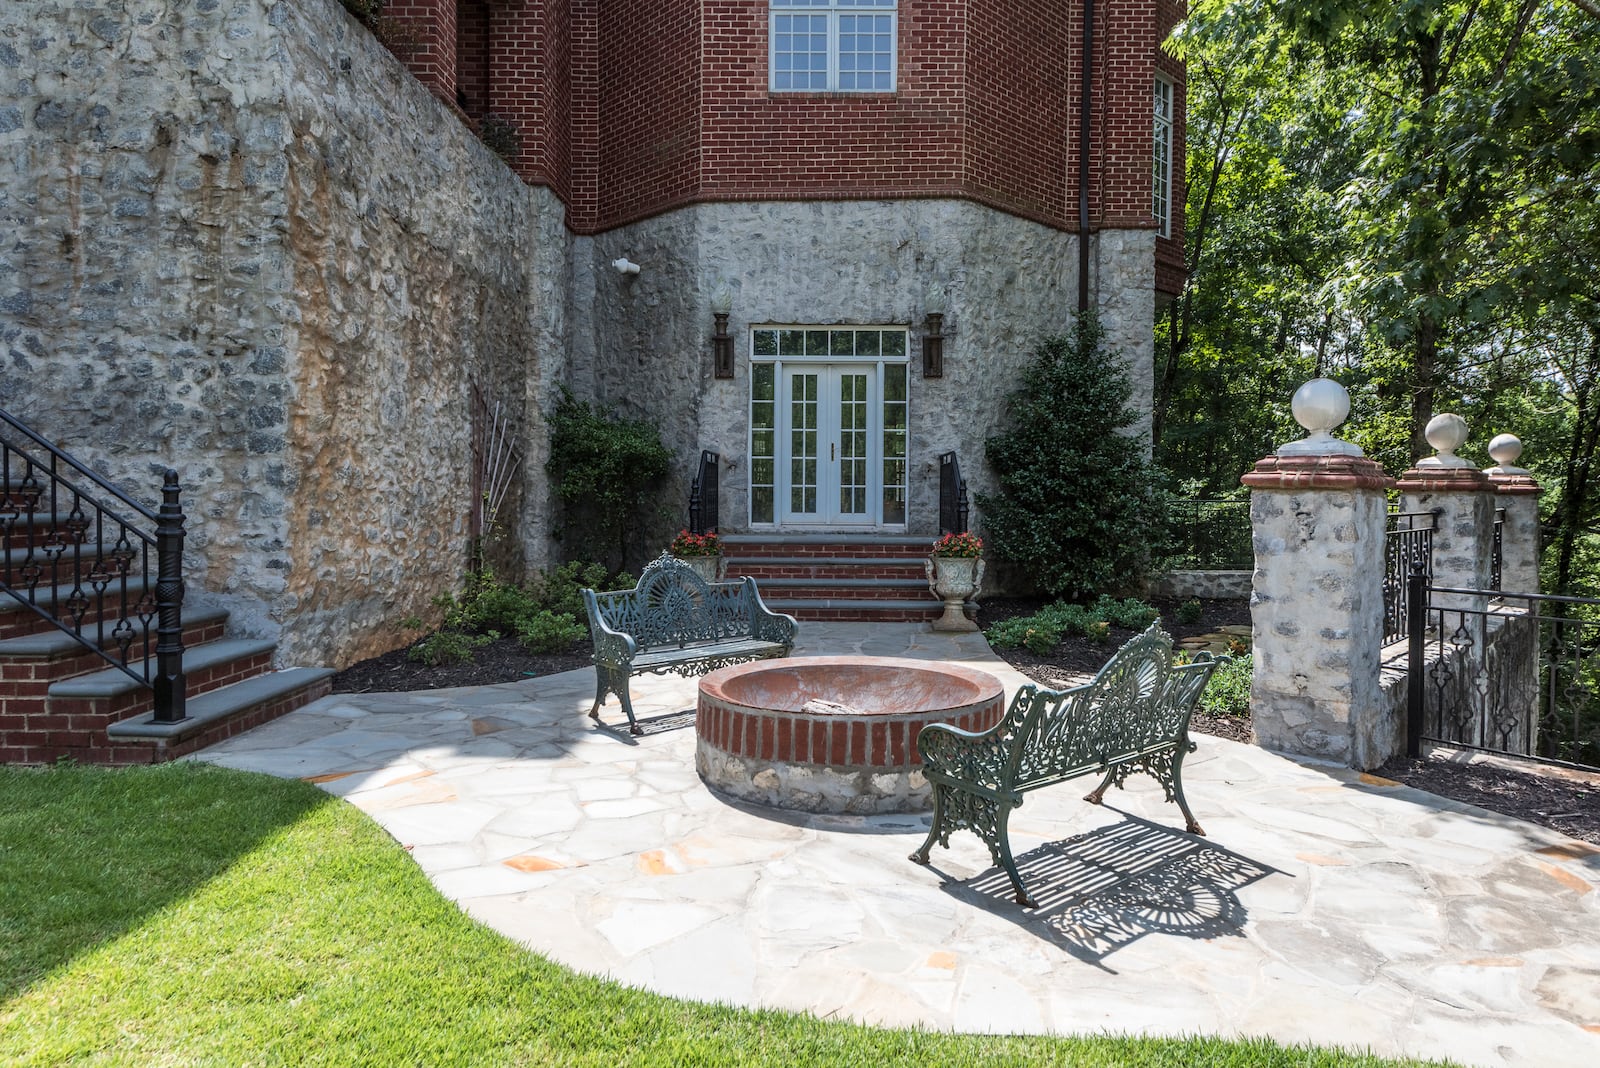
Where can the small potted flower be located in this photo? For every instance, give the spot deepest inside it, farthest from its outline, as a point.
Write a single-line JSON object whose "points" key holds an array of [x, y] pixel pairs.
{"points": [[703, 552], [955, 571]]}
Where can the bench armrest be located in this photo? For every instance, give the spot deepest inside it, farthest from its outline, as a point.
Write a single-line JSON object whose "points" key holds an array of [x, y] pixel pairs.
{"points": [[985, 758], [767, 625], [611, 647]]}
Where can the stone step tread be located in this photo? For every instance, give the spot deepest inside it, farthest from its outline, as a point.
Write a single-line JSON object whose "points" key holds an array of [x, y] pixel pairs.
{"points": [[733, 560], [50, 595], [111, 682], [919, 582], [782, 605], [53, 642], [826, 539], [206, 709]]}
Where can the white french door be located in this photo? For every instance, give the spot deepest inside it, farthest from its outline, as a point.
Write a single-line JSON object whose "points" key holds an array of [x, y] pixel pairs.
{"points": [[829, 427], [829, 475]]}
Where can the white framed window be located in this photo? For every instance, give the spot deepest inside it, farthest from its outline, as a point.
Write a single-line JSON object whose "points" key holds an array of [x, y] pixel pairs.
{"points": [[845, 46], [1162, 183]]}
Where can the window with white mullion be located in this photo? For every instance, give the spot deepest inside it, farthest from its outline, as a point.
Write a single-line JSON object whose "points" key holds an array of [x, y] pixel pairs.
{"points": [[1162, 157], [832, 45]]}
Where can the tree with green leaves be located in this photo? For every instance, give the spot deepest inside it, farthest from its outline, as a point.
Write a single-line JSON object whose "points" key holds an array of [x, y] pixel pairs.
{"points": [[1076, 502]]}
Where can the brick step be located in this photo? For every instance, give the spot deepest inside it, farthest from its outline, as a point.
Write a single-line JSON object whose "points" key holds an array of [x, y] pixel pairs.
{"points": [[844, 610], [70, 717], [219, 715], [17, 617], [845, 590], [53, 655], [211, 717], [837, 546], [830, 568]]}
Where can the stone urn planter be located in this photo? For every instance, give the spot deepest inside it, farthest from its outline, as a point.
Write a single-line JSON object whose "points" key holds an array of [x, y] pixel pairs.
{"points": [[955, 571], [703, 552], [704, 566]]}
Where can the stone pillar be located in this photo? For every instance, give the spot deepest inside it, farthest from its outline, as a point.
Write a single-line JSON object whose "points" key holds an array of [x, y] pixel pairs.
{"points": [[1516, 494], [1462, 501], [1317, 515]]}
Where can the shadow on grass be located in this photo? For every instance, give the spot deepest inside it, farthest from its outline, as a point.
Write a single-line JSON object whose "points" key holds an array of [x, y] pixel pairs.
{"points": [[87, 854], [1106, 889]]}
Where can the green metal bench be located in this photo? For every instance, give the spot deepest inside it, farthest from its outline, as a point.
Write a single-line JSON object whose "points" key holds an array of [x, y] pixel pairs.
{"points": [[1133, 715], [676, 621]]}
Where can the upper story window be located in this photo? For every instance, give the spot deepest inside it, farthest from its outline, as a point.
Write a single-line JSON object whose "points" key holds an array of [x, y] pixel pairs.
{"points": [[845, 46], [1162, 207]]}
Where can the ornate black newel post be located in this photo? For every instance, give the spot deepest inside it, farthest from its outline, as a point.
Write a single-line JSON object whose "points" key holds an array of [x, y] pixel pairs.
{"points": [[170, 685], [1416, 630]]}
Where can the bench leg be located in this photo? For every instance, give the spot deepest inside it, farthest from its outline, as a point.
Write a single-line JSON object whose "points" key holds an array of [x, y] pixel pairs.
{"points": [[627, 706], [1192, 825], [1001, 848], [599, 693], [920, 855], [1097, 795]]}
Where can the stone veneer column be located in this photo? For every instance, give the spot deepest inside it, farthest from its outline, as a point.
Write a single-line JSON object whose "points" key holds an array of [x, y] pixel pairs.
{"points": [[1517, 493], [1462, 501], [1317, 515]]}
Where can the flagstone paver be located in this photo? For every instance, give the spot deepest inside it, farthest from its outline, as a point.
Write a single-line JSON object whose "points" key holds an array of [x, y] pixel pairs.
{"points": [[1324, 906]]}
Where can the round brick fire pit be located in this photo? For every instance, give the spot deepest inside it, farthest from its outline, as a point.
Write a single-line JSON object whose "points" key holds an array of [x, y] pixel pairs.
{"points": [[833, 733]]}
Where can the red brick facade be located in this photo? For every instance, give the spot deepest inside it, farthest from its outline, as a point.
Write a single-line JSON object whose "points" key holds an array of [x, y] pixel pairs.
{"points": [[627, 109]]}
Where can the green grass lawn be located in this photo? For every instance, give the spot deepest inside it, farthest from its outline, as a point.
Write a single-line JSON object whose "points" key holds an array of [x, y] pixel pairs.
{"points": [[186, 914]]}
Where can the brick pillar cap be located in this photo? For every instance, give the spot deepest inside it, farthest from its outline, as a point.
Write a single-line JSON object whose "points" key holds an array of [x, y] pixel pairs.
{"points": [[1444, 480], [1317, 473], [1514, 482]]}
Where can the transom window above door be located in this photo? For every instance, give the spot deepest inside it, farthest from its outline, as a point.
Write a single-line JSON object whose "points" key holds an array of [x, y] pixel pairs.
{"points": [[828, 343], [845, 46]]}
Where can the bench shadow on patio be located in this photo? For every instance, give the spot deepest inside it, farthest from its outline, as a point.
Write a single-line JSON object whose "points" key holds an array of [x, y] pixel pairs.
{"points": [[1102, 890]]}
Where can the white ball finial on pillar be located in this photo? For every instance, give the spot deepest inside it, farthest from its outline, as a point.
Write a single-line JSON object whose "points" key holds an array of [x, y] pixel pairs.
{"points": [[1319, 406], [1506, 449], [1446, 433]]}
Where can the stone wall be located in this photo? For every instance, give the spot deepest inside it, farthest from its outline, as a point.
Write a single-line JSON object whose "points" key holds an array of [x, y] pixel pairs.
{"points": [[1009, 284], [246, 243]]}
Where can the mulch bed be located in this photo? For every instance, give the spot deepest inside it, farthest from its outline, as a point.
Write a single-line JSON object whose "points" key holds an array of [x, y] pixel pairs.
{"points": [[1566, 803]]}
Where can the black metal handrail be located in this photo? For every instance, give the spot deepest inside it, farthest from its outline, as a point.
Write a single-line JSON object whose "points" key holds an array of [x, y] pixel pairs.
{"points": [[703, 495], [953, 508], [1537, 698], [1408, 542], [112, 583], [1496, 557]]}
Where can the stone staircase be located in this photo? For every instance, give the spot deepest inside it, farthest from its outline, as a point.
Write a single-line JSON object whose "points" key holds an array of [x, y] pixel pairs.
{"points": [[68, 558], [858, 578]]}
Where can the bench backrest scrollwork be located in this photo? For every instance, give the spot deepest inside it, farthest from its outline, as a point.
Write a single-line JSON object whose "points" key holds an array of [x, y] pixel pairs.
{"points": [[1139, 700], [672, 605]]}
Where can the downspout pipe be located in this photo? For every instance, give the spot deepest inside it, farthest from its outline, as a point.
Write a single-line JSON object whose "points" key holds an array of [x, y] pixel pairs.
{"points": [[1084, 100]]}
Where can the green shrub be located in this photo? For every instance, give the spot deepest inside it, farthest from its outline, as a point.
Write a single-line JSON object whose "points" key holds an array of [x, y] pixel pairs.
{"points": [[549, 632], [561, 590], [1130, 613], [1228, 692], [1189, 611], [448, 647], [1077, 502], [1043, 631], [603, 466]]}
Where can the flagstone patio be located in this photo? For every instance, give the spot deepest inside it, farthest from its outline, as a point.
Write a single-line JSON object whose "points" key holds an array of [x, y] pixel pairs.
{"points": [[1325, 905]]}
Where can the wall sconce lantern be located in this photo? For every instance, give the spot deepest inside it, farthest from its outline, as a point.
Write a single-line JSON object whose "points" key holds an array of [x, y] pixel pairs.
{"points": [[933, 341], [721, 340]]}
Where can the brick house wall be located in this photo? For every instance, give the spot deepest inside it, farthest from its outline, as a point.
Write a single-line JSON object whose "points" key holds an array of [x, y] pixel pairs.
{"points": [[627, 110]]}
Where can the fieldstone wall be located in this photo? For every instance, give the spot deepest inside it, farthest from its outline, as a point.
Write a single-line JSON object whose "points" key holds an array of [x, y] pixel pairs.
{"points": [[1009, 283], [246, 243], [1212, 585]]}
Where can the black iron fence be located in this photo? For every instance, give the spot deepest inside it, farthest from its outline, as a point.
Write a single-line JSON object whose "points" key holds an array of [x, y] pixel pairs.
{"points": [[1408, 545], [703, 495], [93, 562], [1209, 535], [953, 508], [1512, 673]]}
